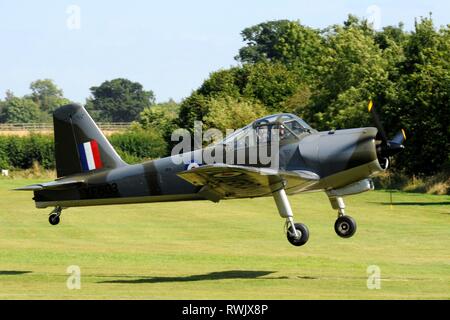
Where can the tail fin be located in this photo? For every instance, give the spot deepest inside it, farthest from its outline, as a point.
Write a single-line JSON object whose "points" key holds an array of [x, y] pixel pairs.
{"points": [[80, 146]]}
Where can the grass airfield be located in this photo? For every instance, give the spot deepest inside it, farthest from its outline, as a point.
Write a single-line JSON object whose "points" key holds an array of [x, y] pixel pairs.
{"points": [[232, 250]]}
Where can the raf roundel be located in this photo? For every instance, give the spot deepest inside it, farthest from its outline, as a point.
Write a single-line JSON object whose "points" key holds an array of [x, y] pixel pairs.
{"points": [[90, 156], [192, 165]]}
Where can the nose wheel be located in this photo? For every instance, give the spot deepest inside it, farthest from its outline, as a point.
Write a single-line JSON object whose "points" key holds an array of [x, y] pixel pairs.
{"points": [[345, 226]]}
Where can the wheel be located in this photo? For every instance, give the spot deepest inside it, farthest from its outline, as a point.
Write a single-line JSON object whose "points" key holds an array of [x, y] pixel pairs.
{"points": [[345, 226], [302, 239], [53, 219]]}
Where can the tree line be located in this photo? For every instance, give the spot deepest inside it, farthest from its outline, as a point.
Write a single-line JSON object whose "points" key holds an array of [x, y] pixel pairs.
{"points": [[118, 100], [326, 76]]}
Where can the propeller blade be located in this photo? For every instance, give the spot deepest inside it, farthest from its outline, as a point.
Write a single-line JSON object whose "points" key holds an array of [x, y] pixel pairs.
{"points": [[395, 145], [378, 123], [399, 137]]}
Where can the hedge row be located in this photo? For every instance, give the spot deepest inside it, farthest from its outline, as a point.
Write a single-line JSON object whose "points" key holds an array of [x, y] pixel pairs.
{"points": [[22, 151], [138, 144], [19, 152]]}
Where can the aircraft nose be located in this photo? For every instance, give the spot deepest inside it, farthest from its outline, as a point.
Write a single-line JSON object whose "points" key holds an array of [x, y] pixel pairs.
{"points": [[365, 149], [345, 149]]}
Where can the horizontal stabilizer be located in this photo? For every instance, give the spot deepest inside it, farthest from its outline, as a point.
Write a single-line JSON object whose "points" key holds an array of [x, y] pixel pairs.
{"points": [[53, 185]]}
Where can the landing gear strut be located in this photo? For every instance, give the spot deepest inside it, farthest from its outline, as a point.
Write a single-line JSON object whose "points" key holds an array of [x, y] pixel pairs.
{"points": [[296, 233], [53, 218], [345, 226]]}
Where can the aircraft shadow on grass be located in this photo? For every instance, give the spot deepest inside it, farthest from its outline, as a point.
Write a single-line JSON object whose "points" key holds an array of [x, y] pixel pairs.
{"points": [[12, 272], [223, 275]]}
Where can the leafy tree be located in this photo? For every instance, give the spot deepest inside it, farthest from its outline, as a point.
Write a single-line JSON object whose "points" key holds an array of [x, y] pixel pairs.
{"points": [[45, 88], [352, 72], [22, 110], [270, 83], [193, 108], [220, 112], [232, 113], [119, 100], [283, 41], [299, 102], [224, 82], [161, 117], [390, 35], [47, 95], [424, 99], [354, 22], [2, 111]]}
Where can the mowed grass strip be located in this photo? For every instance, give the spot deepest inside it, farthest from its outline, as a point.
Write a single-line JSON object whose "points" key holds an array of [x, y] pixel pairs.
{"points": [[236, 249]]}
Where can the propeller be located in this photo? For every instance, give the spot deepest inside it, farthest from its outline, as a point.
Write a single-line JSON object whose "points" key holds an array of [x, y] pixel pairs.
{"points": [[387, 148]]}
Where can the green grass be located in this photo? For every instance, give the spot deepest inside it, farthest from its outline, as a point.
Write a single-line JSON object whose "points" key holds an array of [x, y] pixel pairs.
{"points": [[231, 250]]}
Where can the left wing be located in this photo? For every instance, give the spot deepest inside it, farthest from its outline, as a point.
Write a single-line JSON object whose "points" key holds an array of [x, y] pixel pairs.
{"points": [[219, 181]]}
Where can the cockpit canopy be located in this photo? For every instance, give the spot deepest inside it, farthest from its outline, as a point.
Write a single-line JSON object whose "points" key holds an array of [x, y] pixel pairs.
{"points": [[286, 125]]}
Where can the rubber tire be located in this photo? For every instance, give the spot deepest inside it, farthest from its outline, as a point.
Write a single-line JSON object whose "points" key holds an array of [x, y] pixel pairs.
{"points": [[304, 237], [345, 226], [53, 219]]}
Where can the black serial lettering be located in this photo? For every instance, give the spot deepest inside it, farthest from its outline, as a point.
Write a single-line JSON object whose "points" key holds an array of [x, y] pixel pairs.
{"points": [[104, 190]]}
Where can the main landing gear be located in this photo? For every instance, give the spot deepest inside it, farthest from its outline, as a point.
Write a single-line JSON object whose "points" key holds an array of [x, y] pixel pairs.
{"points": [[345, 226], [53, 218], [297, 233]]}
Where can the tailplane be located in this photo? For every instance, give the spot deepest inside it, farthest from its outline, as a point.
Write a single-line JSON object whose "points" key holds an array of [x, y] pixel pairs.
{"points": [[80, 146]]}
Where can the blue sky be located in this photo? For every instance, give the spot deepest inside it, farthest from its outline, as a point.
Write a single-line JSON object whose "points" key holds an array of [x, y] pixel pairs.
{"points": [[168, 46]]}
